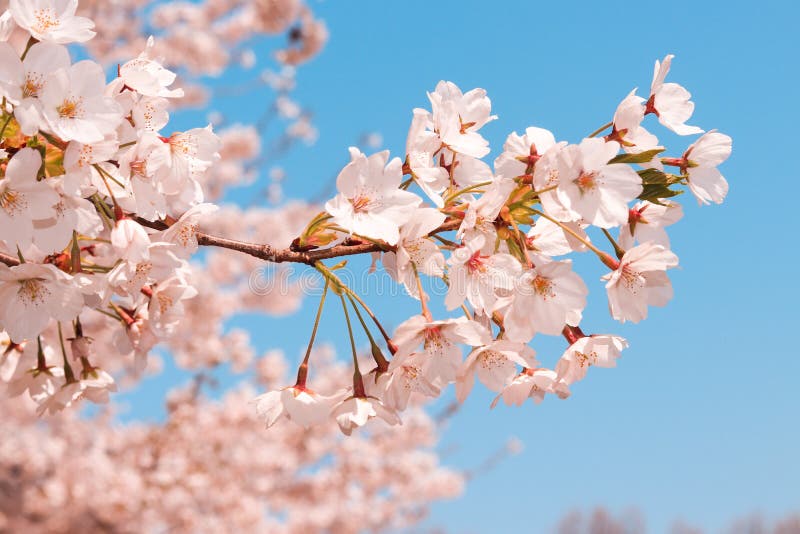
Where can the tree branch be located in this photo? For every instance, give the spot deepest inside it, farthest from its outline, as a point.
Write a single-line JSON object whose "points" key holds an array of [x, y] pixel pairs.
{"points": [[11, 261], [270, 253]]}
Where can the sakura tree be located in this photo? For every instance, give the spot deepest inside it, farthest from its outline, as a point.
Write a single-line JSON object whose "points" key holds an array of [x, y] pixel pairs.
{"points": [[102, 207]]}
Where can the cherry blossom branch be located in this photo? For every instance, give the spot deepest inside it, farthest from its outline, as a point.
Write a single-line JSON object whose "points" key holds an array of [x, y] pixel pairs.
{"points": [[269, 253]]}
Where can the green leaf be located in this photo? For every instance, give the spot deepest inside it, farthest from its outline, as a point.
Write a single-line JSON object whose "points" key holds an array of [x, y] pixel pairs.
{"points": [[654, 192], [641, 157], [653, 176]]}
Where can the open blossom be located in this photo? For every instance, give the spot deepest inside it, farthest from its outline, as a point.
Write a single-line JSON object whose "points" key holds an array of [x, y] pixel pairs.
{"points": [[532, 384], [547, 297], [145, 164], [353, 412], [628, 129], [640, 281], [191, 154], [95, 386], [441, 341], [407, 379], [74, 105], [521, 152], [183, 232], [421, 146], [482, 212], [458, 116], [670, 101], [301, 405], [546, 178], [147, 76], [370, 201], [415, 250], [486, 281], [495, 364], [27, 80], [592, 188], [703, 156], [646, 222], [548, 238], [72, 212], [23, 199], [31, 295], [596, 350], [130, 240], [161, 262], [166, 307], [52, 20]]}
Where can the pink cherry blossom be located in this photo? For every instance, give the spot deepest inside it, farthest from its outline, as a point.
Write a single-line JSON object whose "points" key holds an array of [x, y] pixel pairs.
{"points": [[596, 350], [670, 101], [640, 281], [353, 412], [703, 157]]}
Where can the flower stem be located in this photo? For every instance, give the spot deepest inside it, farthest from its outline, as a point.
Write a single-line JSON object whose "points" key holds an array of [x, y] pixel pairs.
{"points": [[377, 355], [422, 295], [469, 189], [610, 262], [69, 375], [617, 249], [336, 280], [358, 381], [302, 371], [600, 130]]}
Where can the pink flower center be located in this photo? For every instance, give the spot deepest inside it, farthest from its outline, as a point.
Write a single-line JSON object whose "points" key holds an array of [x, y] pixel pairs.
{"points": [[476, 263], [543, 287], [587, 181], [139, 168]]}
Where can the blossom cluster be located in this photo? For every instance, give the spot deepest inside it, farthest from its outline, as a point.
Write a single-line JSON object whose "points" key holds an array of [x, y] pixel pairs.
{"points": [[498, 236], [86, 173]]}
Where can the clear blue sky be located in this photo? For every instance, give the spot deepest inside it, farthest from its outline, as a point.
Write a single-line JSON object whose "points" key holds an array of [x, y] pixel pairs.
{"points": [[699, 421]]}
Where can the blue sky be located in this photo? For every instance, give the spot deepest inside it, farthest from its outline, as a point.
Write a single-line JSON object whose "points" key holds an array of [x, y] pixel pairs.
{"points": [[699, 419]]}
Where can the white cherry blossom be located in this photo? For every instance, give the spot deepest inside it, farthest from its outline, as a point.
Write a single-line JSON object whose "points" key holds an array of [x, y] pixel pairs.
{"points": [[592, 188], [31, 295], [495, 364], [547, 297], [52, 20], [370, 202], [486, 281]]}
